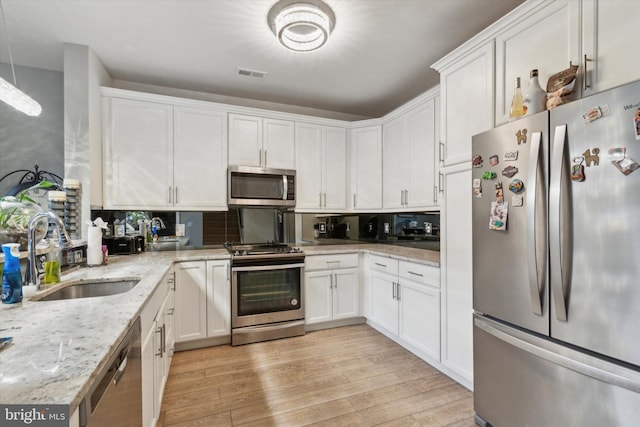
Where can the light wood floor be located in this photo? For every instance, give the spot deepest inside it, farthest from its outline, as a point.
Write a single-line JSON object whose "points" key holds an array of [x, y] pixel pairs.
{"points": [[350, 376]]}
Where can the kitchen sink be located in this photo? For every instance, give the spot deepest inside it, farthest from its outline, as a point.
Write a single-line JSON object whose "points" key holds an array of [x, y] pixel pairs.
{"points": [[89, 288], [168, 243]]}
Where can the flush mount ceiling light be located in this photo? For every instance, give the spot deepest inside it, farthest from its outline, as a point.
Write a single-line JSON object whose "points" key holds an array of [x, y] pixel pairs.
{"points": [[9, 93], [301, 26]]}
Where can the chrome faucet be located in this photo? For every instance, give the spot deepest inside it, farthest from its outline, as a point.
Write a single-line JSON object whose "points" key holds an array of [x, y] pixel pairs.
{"points": [[64, 241]]}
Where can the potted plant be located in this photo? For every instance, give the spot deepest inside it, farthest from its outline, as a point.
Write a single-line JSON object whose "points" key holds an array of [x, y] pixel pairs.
{"points": [[16, 213]]}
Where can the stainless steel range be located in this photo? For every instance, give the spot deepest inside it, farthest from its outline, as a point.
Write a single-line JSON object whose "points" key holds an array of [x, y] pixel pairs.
{"points": [[267, 292]]}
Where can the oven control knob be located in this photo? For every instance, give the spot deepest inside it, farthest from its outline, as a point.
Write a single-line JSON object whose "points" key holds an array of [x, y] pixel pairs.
{"points": [[243, 253]]}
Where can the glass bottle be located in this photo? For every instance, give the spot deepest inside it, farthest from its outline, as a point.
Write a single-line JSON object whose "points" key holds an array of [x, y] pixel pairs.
{"points": [[517, 106], [535, 99]]}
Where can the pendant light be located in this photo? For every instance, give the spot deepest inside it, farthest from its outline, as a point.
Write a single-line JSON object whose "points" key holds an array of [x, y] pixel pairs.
{"points": [[9, 93], [301, 26]]}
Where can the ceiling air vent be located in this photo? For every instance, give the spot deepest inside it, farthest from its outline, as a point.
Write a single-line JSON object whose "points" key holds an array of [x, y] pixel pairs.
{"points": [[252, 73]]}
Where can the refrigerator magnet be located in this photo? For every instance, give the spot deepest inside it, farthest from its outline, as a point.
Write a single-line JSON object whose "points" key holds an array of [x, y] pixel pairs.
{"points": [[636, 124], [621, 161], [517, 200], [510, 156], [493, 160], [499, 193], [509, 171], [592, 156], [521, 136], [516, 186], [489, 175], [477, 161], [477, 188], [577, 169], [498, 216]]}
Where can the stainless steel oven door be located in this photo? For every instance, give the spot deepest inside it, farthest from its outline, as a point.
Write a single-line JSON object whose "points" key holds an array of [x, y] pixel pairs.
{"points": [[266, 294]]}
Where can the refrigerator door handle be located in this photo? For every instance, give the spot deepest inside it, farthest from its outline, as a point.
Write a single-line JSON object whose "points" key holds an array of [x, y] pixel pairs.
{"points": [[536, 280], [558, 260], [608, 374]]}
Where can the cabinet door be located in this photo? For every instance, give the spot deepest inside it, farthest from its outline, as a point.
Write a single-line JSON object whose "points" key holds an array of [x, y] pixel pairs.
{"points": [[466, 98], [346, 294], [334, 161], [420, 160], [245, 140], [138, 166], [420, 317], [527, 45], [394, 161], [384, 306], [366, 168], [318, 296], [218, 299], [456, 274], [148, 351], [191, 301], [200, 158], [278, 146], [610, 43], [309, 166]]}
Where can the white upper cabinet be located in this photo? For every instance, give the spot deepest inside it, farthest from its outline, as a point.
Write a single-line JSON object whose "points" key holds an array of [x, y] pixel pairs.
{"points": [[162, 156], [199, 158], [264, 142], [410, 163], [138, 139], [610, 43], [366, 168], [322, 168], [546, 40], [466, 101]]}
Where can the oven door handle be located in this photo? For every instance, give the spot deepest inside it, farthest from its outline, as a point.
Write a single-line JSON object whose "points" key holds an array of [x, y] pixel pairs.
{"points": [[267, 267]]}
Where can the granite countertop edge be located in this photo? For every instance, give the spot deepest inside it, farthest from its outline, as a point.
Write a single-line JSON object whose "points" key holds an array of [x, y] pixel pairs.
{"points": [[60, 347]]}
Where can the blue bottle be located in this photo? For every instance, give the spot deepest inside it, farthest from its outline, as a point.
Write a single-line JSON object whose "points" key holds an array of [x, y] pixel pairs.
{"points": [[11, 274]]}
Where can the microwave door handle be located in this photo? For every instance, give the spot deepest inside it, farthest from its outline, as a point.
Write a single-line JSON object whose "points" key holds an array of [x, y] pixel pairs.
{"points": [[285, 187]]}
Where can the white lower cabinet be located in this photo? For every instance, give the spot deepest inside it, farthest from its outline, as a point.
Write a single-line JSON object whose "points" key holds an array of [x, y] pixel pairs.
{"points": [[332, 290], [157, 348], [404, 303], [203, 300]]}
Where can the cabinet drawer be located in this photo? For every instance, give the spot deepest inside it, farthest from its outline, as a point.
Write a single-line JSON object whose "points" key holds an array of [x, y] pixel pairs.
{"points": [[420, 273], [387, 265], [330, 262]]}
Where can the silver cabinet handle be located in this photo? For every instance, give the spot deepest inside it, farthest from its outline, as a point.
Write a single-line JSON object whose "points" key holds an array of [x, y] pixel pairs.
{"points": [[324, 205], [260, 157], [441, 182], [265, 157], [330, 281], [159, 331], [416, 274], [176, 195], [402, 197], [335, 283], [380, 265], [585, 85], [535, 203], [441, 152], [435, 194], [169, 195], [406, 197], [354, 200], [398, 291], [558, 240]]}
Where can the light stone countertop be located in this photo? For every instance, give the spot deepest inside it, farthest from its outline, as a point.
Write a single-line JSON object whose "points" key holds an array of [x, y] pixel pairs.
{"points": [[59, 347]]}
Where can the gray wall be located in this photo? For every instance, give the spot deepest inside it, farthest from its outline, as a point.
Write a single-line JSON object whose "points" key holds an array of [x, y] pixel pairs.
{"points": [[26, 141]]}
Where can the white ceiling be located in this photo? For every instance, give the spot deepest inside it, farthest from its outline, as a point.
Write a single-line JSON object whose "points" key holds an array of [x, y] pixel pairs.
{"points": [[377, 58]]}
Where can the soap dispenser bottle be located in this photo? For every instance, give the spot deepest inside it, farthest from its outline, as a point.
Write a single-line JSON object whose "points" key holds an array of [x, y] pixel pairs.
{"points": [[11, 274]]}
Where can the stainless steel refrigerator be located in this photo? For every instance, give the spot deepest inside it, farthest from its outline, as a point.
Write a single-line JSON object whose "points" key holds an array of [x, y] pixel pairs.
{"points": [[556, 266]]}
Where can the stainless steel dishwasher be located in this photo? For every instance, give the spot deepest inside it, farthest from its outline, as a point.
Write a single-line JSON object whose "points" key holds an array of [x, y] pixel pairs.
{"points": [[115, 398]]}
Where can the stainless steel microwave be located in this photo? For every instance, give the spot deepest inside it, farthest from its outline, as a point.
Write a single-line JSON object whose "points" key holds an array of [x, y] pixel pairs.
{"points": [[256, 186]]}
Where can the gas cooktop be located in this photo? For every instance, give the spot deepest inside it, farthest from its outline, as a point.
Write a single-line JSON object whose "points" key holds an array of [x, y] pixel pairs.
{"points": [[263, 250]]}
